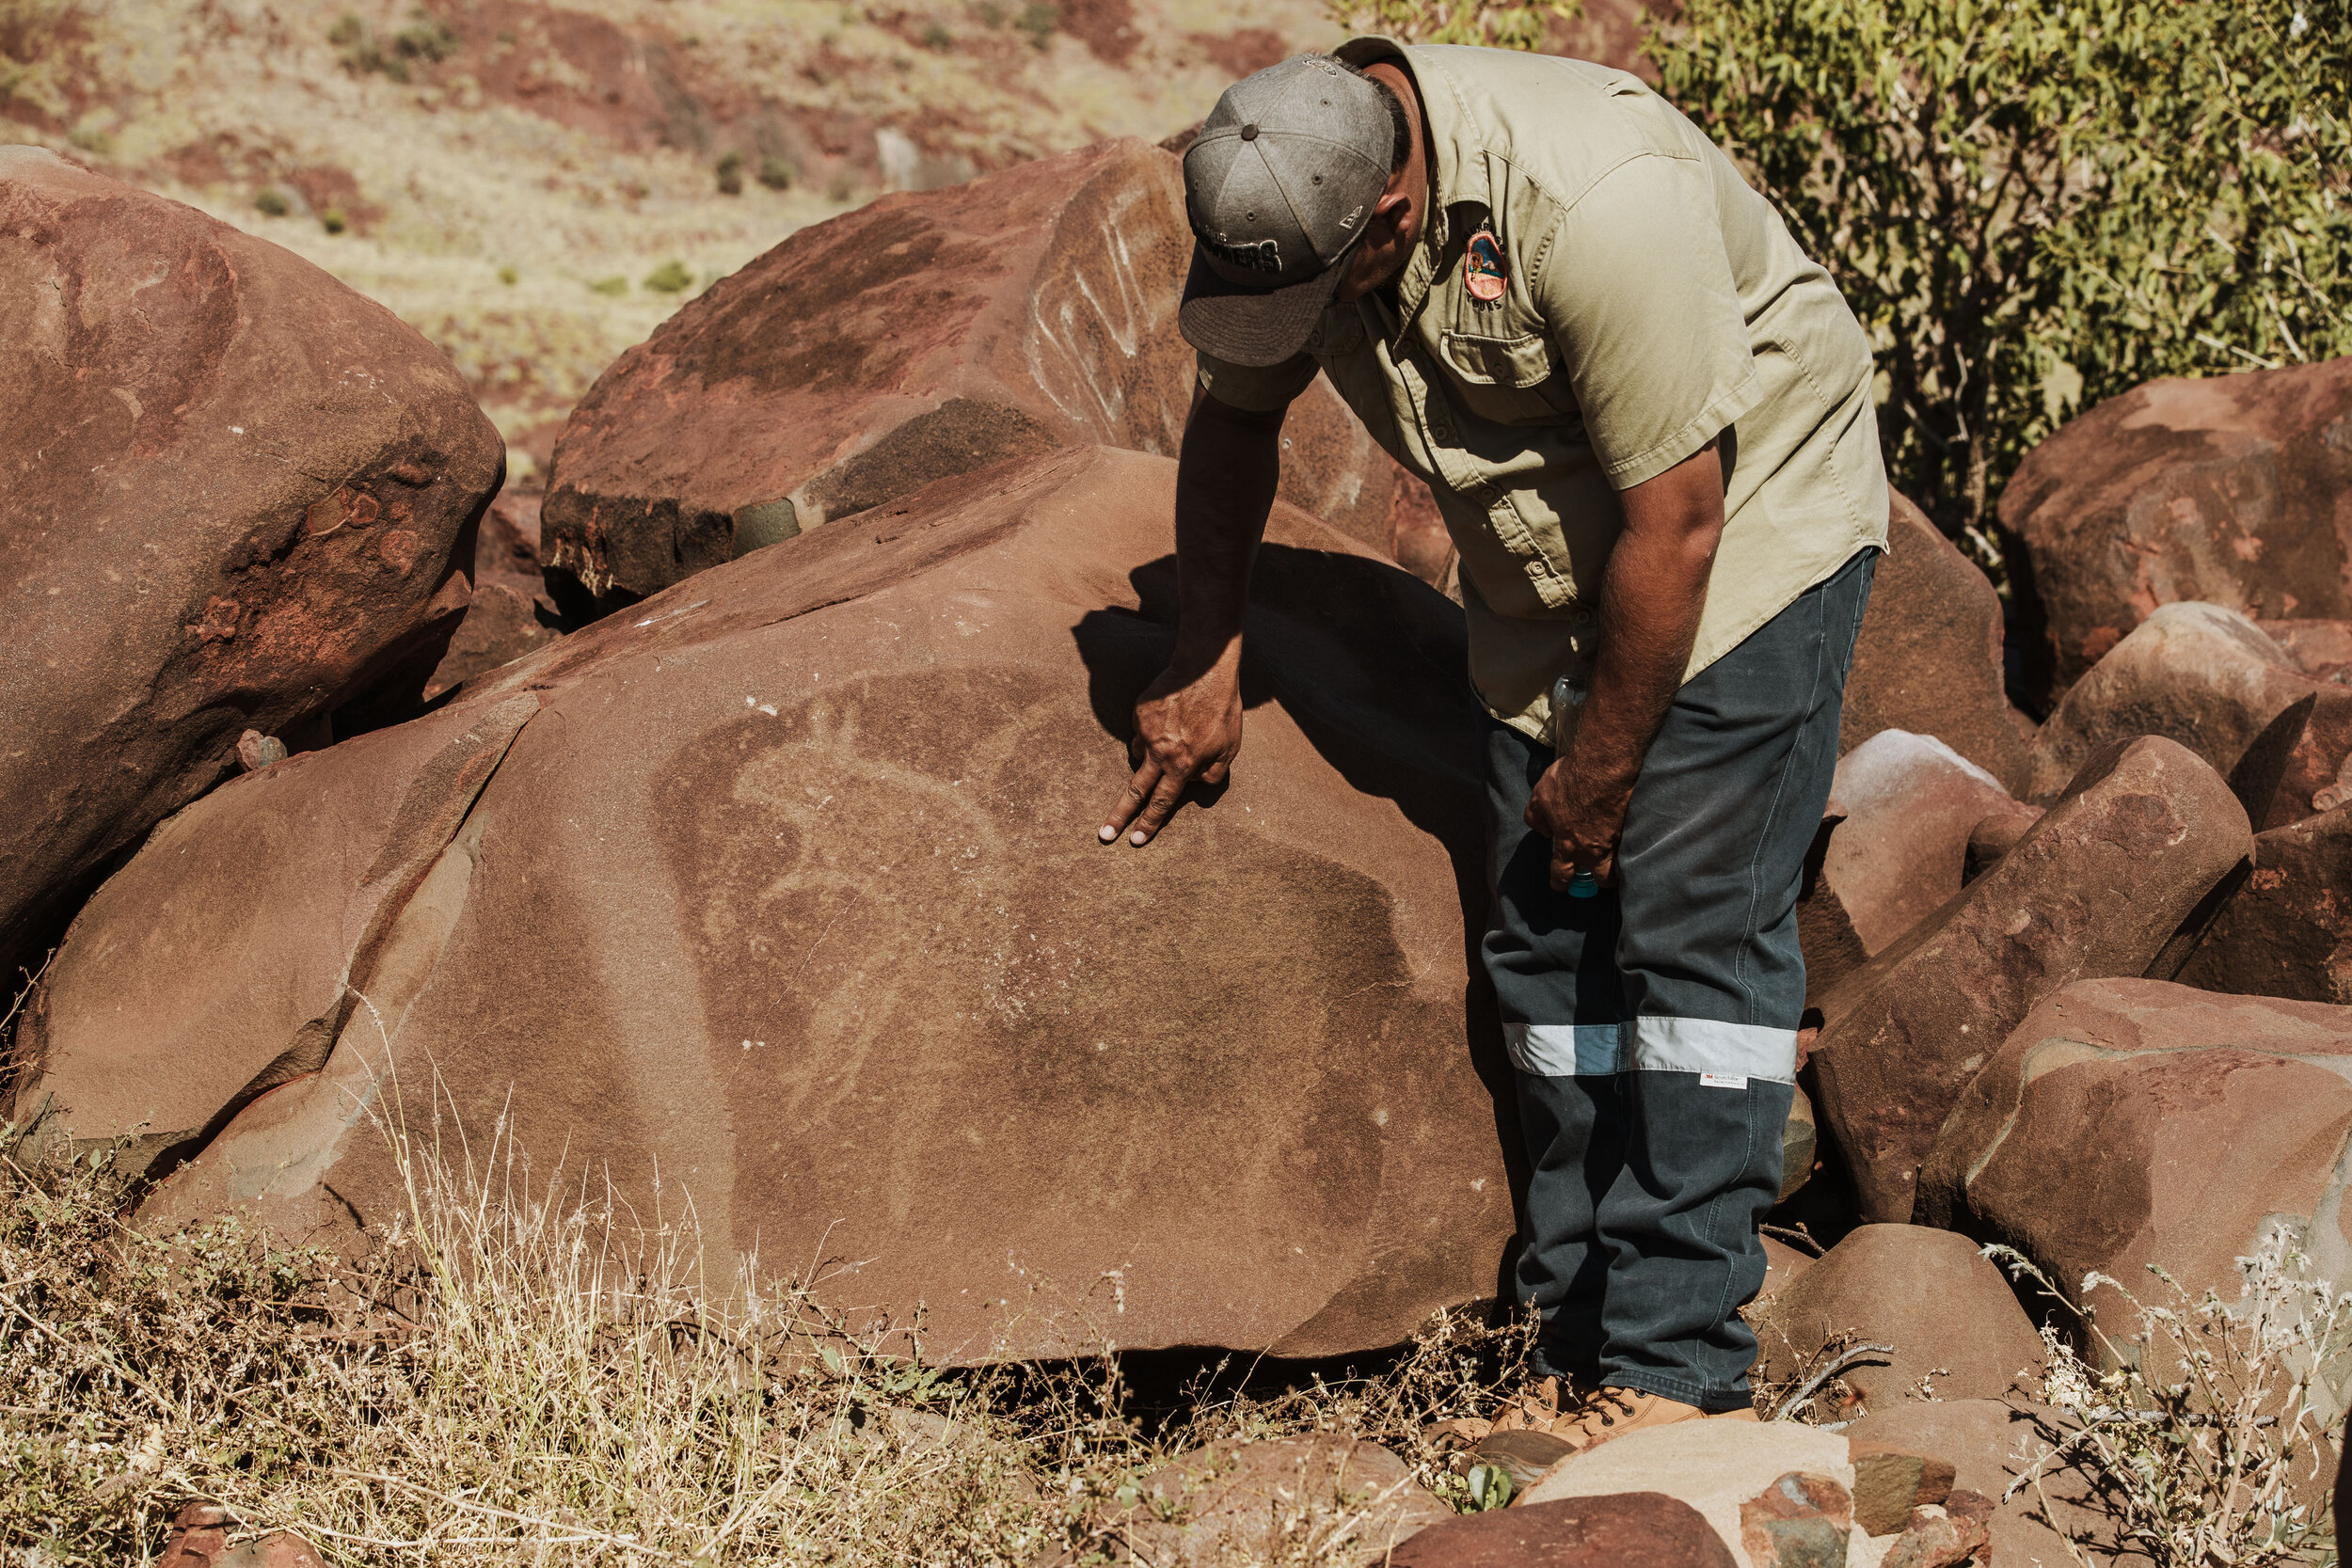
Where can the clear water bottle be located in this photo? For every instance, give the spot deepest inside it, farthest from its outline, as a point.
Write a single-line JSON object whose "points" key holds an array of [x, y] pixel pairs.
{"points": [[1567, 696]]}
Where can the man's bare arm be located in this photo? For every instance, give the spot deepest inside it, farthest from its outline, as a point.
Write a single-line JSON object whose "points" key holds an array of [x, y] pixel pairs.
{"points": [[1652, 590], [1188, 721]]}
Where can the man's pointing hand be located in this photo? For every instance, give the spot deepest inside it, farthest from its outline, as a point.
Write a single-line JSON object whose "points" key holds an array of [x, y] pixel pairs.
{"points": [[1187, 730]]}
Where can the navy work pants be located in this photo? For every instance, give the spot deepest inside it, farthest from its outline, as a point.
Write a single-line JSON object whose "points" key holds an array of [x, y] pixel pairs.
{"points": [[1654, 1027]]}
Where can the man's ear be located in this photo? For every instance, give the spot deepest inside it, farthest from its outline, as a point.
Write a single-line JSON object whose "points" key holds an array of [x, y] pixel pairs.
{"points": [[1393, 207]]}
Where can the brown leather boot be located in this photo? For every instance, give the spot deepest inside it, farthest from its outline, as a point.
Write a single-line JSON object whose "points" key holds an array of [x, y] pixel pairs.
{"points": [[1613, 1412], [1534, 1408]]}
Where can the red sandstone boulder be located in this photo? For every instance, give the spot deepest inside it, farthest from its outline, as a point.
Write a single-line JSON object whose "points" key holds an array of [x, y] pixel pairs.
{"points": [[2234, 489], [1991, 1444], [2287, 930], [2100, 886], [1623, 1530], [785, 884], [237, 498], [2198, 674], [922, 335], [1928, 656], [1953, 1322], [1903, 807], [2214, 1118], [512, 612]]}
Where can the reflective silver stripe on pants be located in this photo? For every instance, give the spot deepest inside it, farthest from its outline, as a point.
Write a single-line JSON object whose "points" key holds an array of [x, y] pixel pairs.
{"points": [[1704, 1045], [1566, 1050]]}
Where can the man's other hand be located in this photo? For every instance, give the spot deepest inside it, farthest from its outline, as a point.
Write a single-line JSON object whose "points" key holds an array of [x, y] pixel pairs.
{"points": [[1187, 731], [1584, 817]]}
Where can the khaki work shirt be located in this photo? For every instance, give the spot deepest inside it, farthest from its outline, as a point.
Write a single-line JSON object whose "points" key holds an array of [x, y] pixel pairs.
{"points": [[1654, 301]]}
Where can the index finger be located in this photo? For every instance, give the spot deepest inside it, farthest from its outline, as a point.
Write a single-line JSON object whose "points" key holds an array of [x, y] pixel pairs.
{"points": [[1138, 791]]}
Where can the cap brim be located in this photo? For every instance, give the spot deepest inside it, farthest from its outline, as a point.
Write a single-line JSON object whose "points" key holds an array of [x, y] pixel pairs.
{"points": [[1253, 326]]}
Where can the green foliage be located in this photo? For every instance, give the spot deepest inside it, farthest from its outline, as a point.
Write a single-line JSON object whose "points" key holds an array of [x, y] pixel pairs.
{"points": [[1494, 23], [271, 202], [426, 39], [509, 277], [2035, 205], [1038, 19], [670, 277], [936, 36], [775, 173], [332, 220], [610, 286], [730, 173]]}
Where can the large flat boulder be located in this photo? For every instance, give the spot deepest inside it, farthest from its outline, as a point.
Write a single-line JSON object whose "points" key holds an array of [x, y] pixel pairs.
{"points": [[786, 891], [1927, 659], [2234, 489], [925, 335], [2216, 1117], [2287, 929], [2099, 886], [238, 497]]}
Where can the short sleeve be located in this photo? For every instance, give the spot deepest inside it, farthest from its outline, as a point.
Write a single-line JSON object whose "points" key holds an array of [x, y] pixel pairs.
{"points": [[1637, 295], [1253, 390]]}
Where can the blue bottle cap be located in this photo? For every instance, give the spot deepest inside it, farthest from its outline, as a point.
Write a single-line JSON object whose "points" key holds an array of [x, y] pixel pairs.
{"points": [[1585, 885]]}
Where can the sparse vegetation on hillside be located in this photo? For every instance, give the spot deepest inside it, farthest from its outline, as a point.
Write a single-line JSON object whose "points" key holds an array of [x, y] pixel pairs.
{"points": [[513, 1376], [582, 140]]}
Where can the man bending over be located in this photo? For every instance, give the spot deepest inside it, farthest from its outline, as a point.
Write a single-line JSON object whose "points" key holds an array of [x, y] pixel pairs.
{"points": [[1646, 417]]}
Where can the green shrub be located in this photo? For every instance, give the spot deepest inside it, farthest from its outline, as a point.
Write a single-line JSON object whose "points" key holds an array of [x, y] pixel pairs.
{"points": [[610, 286], [332, 220], [776, 174], [671, 277], [509, 277], [271, 202], [426, 38], [1038, 19], [2035, 206], [730, 172], [937, 37]]}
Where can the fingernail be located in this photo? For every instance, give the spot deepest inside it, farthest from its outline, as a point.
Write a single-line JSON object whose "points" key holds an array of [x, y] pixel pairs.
{"points": [[1138, 838], [1108, 832]]}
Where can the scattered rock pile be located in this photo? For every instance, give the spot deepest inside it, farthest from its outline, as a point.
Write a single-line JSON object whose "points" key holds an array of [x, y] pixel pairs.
{"points": [[780, 886]]}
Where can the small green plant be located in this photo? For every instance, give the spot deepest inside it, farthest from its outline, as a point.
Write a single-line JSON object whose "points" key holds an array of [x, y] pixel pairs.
{"points": [[271, 202], [332, 220], [775, 173], [670, 277], [426, 38], [509, 277], [2204, 1425], [610, 286], [730, 173], [936, 36], [1038, 21]]}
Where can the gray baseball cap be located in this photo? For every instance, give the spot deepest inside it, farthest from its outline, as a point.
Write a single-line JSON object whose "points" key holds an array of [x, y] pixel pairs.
{"points": [[1279, 186]]}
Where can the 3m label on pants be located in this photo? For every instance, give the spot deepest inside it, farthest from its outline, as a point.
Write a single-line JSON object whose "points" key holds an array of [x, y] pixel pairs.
{"points": [[1722, 1080]]}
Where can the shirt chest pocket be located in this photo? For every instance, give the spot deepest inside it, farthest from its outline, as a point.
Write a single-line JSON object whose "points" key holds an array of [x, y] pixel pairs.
{"points": [[1508, 379]]}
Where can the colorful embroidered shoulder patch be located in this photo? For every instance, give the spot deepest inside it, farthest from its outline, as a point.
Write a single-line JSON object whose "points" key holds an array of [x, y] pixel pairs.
{"points": [[1482, 271]]}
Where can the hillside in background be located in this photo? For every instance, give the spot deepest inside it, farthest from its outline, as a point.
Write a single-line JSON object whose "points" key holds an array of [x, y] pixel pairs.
{"points": [[535, 186]]}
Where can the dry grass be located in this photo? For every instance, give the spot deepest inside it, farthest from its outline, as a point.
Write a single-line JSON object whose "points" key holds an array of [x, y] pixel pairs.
{"points": [[2204, 1422], [518, 1376]]}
